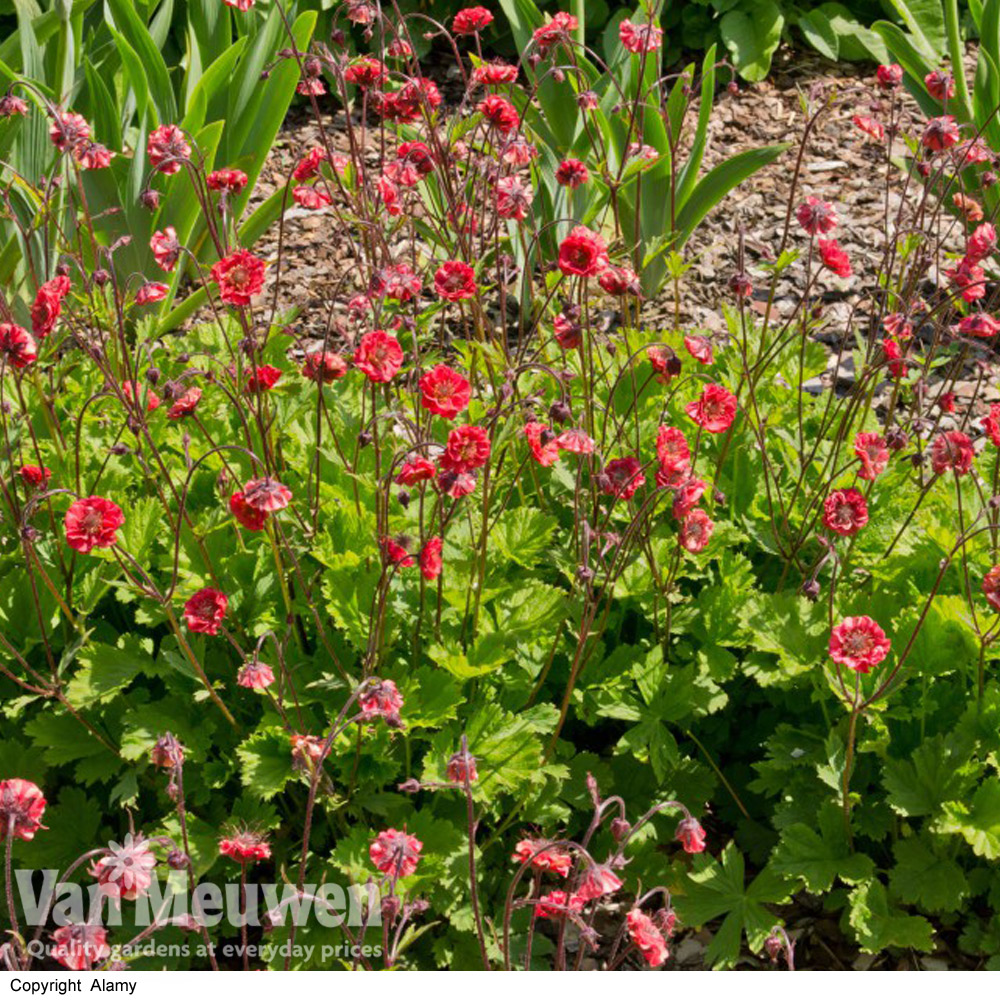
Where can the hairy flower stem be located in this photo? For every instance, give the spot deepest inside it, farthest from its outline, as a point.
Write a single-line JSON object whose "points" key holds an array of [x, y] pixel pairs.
{"points": [[9, 891], [470, 817]]}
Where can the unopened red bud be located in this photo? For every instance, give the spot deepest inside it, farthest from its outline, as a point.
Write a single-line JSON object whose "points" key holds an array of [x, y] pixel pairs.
{"points": [[178, 860], [620, 828], [150, 199]]}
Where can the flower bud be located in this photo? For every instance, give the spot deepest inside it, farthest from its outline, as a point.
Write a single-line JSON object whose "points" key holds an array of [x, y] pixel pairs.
{"points": [[560, 412], [178, 860], [811, 590], [409, 787], [150, 198], [391, 906], [620, 829], [101, 277]]}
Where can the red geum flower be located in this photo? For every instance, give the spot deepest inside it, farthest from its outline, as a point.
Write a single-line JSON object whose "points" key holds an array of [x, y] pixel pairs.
{"points": [[262, 378], [250, 517], [687, 493], [555, 905], [151, 291], [308, 166], [816, 216], [559, 30], [416, 470], [35, 475], [80, 946], [227, 181], [455, 280], [245, 846], [378, 356], [714, 410], [952, 450], [947, 402], [468, 448], [166, 248], [324, 366], [873, 129], [125, 871], [568, 333], [845, 511], [46, 308], [167, 752], [143, 393], [665, 363], [542, 442], [646, 936], [695, 530], [898, 325], [494, 74], [456, 484], [969, 208], [365, 72], [500, 113], [517, 152], [991, 423], [470, 20], [583, 253], [267, 494], [572, 173], [889, 77], [622, 477], [859, 644], [691, 835], [255, 674], [894, 357], [620, 281], [93, 523], [940, 133], [700, 348], [514, 198], [672, 449], [991, 588], [11, 105], [940, 85], [599, 881], [461, 768], [982, 242], [68, 130], [575, 441], [416, 155], [640, 37], [167, 149], [870, 448], [444, 391], [398, 282], [311, 198], [543, 858], [17, 346], [969, 278], [430, 559], [380, 699], [240, 277], [93, 156], [205, 609], [22, 805], [394, 552], [834, 258], [395, 853], [240, 5]]}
